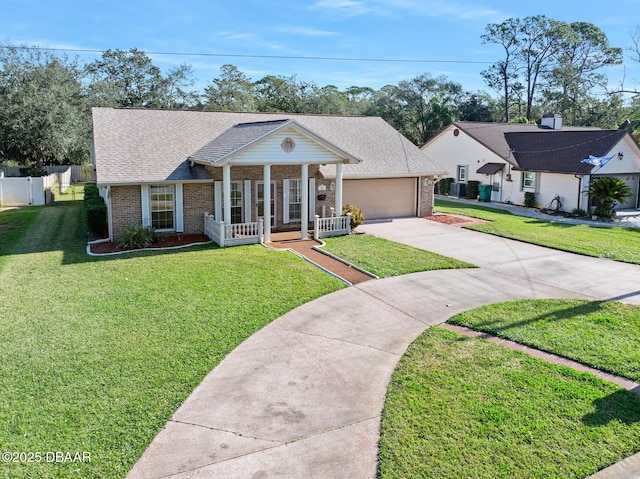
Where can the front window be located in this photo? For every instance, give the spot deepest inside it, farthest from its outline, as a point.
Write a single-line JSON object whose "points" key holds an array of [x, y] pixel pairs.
{"points": [[529, 180], [295, 200], [236, 202], [462, 173], [162, 207]]}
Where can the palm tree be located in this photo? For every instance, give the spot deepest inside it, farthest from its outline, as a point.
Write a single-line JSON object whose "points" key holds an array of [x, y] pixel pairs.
{"points": [[606, 191]]}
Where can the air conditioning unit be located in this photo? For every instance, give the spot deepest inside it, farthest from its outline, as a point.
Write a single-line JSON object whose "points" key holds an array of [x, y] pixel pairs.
{"points": [[458, 190]]}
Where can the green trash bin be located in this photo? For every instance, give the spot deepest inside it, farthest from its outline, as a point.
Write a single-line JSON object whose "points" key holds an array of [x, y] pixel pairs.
{"points": [[485, 192]]}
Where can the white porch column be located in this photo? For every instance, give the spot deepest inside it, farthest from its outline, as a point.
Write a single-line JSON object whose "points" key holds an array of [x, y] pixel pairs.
{"points": [[305, 202], [338, 204], [226, 194], [266, 208]]}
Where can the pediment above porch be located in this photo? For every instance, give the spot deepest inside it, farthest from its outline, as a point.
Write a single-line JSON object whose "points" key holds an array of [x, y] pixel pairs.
{"points": [[279, 142]]}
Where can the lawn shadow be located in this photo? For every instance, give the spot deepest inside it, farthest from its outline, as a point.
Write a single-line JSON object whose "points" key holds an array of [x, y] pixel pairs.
{"points": [[622, 406], [62, 227]]}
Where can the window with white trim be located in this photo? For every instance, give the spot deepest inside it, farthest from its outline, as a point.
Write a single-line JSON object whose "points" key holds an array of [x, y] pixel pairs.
{"points": [[295, 200], [462, 173], [529, 180], [162, 202], [236, 202]]}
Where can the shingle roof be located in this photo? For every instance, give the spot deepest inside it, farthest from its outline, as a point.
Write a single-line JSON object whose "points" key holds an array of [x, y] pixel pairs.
{"points": [[142, 145], [561, 151], [235, 137], [490, 168], [492, 135]]}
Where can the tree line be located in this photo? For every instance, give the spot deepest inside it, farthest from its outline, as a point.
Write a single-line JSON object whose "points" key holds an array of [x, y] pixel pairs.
{"points": [[546, 66]]}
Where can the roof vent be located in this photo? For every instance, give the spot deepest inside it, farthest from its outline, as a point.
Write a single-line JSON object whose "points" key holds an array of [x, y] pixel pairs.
{"points": [[552, 121]]}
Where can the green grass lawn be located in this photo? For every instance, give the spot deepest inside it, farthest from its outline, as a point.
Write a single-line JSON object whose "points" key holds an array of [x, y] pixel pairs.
{"points": [[97, 353], [605, 335], [386, 258], [462, 407], [619, 244]]}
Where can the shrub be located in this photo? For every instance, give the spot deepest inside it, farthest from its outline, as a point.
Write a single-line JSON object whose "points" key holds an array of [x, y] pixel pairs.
{"points": [[32, 171], [605, 192], [604, 212], [529, 199], [357, 217], [579, 212], [472, 189], [137, 236], [97, 219], [444, 185]]}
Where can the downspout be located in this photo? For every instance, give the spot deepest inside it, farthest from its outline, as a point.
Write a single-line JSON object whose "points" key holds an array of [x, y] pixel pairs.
{"points": [[109, 213], [579, 190]]}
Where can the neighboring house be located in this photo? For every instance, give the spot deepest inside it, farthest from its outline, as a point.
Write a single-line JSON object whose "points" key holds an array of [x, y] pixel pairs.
{"points": [[545, 160], [167, 168]]}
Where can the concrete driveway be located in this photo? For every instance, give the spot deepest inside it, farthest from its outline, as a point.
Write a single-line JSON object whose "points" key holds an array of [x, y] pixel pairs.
{"points": [[303, 396]]}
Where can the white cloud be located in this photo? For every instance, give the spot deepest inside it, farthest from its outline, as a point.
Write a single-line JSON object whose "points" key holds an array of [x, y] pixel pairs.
{"points": [[305, 32]]}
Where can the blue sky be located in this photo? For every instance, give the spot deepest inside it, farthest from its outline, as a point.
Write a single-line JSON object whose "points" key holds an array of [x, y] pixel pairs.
{"points": [[433, 30]]}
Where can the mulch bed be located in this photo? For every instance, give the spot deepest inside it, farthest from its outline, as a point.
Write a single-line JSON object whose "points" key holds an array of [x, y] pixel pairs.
{"points": [[453, 219], [167, 241]]}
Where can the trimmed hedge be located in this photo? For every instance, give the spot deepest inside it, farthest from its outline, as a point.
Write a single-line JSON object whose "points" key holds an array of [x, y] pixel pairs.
{"points": [[96, 212], [472, 189]]}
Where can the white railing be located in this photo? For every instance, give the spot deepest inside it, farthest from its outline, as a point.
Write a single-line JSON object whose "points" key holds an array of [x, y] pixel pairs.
{"points": [[235, 234], [332, 226]]}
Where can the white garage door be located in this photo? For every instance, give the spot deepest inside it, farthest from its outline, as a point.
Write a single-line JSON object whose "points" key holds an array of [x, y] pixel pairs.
{"points": [[382, 198]]}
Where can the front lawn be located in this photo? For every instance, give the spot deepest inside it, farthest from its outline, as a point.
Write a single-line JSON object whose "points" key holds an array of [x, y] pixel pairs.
{"points": [[386, 258], [463, 407], [604, 335], [619, 244], [97, 353]]}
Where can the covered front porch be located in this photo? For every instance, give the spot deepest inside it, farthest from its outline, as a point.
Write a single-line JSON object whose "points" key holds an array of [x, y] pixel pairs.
{"points": [[267, 178]]}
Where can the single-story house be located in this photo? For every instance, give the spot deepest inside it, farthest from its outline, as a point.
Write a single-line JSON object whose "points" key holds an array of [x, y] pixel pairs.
{"points": [[545, 160], [167, 168]]}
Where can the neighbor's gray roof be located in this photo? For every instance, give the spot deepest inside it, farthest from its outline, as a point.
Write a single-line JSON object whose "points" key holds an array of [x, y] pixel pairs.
{"points": [[561, 151], [492, 135], [143, 145]]}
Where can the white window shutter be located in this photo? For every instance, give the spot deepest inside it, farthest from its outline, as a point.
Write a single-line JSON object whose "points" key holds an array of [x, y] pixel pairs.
{"points": [[247, 201], [146, 205], [179, 209], [217, 200], [312, 198], [285, 202]]}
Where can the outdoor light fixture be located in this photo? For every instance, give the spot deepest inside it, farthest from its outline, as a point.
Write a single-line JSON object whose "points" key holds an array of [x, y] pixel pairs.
{"points": [[620, 155]]}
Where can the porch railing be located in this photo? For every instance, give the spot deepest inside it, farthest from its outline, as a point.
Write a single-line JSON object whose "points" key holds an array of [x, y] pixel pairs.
{"points": [[234, 234], [332, 226]]}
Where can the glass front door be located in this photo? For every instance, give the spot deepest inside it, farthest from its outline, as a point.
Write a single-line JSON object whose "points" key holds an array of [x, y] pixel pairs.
{"points": [[260, 201]]}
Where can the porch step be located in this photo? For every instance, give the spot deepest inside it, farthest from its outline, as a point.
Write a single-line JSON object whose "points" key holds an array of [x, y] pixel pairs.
{"points": [[338, 268]]}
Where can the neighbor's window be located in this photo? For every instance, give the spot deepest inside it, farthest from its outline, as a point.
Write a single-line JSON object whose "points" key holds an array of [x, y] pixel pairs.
{"points": [[462, 173], [295, 200], [162, 207], [529, 179]]}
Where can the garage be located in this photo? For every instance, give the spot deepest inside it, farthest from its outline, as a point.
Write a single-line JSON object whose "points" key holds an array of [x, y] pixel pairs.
{"points": [[632, 181], [382, 198]]}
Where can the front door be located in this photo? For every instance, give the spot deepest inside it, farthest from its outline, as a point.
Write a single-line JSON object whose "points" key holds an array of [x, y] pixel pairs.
{"points": [[260, 201], [496, 186]]}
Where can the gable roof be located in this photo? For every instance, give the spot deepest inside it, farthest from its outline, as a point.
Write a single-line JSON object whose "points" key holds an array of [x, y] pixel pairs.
{"points": [[243, 135], [492, 135], [560, 151], [146, 145]]}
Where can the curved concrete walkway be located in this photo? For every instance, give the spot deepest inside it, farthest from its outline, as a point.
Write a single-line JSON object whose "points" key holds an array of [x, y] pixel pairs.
{"points": [[303, 396]]}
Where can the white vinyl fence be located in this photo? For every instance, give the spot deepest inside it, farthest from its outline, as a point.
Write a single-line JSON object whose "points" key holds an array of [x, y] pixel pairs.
{"points": [[33, 191], [79, 173]]}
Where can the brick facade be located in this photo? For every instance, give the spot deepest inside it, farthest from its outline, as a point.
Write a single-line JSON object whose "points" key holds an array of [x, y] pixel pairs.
{"points": [[197, 198], [425, 206], [126, 207]]}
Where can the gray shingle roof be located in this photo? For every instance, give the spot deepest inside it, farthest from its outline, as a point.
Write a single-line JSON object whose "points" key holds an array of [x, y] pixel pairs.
{"points": [[492, 135], [142, 145], [561, 151], [234, 138]]}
